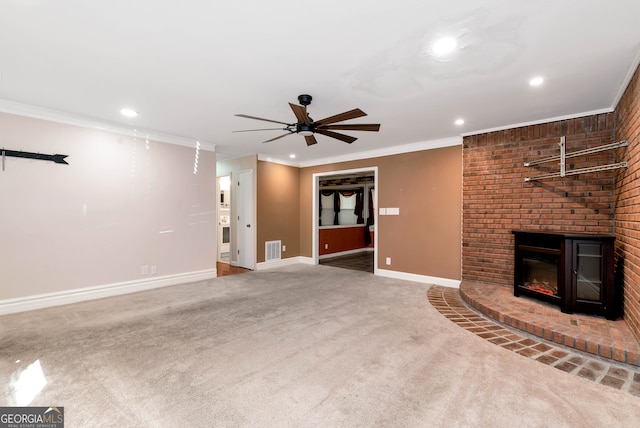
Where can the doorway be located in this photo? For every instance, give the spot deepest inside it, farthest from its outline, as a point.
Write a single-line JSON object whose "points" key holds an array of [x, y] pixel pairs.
{"points": [[224, 219], [344, 244]]}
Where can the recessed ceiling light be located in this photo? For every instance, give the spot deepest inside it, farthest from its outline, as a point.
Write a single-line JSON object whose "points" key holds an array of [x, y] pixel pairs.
{"points": [[459, 122], [444, 46], [128, 112], [292, 156], [536, 81]]}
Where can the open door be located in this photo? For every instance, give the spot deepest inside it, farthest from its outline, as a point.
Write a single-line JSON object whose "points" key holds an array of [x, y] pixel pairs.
{"points": [[246, 220]]}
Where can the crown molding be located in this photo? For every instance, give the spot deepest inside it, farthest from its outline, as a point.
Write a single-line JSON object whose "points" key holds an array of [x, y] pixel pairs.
{"points": [[266, 158], [12, 107], [387, 151], [538, 122]]}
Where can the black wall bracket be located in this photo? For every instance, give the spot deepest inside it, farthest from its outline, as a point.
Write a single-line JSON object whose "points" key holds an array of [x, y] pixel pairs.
{"points": [[30, 155]]}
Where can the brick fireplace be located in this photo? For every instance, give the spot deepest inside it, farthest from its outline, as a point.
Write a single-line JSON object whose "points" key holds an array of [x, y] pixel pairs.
{"points": [[497, 200]]}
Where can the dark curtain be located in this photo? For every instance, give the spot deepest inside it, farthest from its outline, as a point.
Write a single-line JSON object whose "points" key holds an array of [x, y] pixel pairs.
{"points": [[367, 235], [336, 207], [370, 218], [359, 211]]}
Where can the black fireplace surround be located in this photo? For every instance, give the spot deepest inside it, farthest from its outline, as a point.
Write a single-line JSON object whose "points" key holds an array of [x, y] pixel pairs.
{"points": [[570, 270]]}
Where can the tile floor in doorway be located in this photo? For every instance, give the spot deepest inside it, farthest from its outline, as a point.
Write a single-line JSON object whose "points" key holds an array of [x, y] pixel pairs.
{"points": [[362, 261]]}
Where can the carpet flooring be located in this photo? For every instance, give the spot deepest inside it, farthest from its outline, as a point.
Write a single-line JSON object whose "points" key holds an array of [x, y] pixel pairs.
{"points": [[303, 346]]}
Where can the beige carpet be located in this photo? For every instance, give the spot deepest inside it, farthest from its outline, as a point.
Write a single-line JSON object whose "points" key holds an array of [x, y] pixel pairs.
{"points": [[297, 346]]}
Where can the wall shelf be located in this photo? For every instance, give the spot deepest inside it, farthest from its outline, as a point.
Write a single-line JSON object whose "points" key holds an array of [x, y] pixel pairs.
{"points": [[563, 156], [57, 158]]}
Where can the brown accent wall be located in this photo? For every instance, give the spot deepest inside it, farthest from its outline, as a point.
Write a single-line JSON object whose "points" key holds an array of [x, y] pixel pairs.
{"points": [[627, 220], [425, 238], [278, 195], [497, 200]]}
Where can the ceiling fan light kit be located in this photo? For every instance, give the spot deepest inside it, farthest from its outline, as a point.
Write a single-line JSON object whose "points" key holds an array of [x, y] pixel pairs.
{"points": [[304, 130], [307, 127]]}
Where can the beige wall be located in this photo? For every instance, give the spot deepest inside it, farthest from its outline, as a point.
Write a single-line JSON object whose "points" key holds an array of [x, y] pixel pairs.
{"points": [[236, 165], [120, 203], [278, 207], [425, 239]]}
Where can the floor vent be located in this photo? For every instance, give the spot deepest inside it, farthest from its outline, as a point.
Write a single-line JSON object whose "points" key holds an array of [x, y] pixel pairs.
{"points": [[272, 250]]}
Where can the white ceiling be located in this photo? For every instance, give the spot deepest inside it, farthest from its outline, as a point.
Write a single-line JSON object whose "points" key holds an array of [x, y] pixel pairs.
{"points": [[188, 66]]}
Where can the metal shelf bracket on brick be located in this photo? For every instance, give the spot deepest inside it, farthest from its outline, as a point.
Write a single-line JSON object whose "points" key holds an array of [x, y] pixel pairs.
{"points": [[563, 156]]}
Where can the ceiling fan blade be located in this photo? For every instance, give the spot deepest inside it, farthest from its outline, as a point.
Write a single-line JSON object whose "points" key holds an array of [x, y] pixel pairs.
{"points": [[277, 138], [262, 129], [301, 113], [341, 137], [375, 127], [351, 114], [311, 140], [259, 118]]}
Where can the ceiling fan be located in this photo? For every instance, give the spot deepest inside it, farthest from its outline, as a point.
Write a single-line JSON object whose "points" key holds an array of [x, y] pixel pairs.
{"points": [[307, 127]]}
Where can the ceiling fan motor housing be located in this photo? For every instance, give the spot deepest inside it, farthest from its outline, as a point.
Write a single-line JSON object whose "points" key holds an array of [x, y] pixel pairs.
{"points": [[304, 129]]}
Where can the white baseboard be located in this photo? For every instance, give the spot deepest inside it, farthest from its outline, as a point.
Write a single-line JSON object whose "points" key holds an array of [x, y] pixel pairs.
{"points": [[345, 253], [21, 304], [445, 282], [284, 262]]}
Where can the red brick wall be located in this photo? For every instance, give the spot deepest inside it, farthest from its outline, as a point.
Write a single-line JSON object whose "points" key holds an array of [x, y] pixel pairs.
{"points": [[497, 200], [627, 221]]}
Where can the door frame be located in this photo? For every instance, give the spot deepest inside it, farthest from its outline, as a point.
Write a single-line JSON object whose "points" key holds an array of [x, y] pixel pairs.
{"points": [[316, 219]]}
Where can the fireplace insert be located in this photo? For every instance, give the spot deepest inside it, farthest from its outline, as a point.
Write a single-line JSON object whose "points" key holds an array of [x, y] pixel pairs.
{"points": [[572, 271], [540, 273]]}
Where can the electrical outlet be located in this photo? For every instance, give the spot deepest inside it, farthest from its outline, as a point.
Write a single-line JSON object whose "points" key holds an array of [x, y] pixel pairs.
{"points": [[326, 246], [144, 270], [284, 248], [388, 261], [154, 270]]}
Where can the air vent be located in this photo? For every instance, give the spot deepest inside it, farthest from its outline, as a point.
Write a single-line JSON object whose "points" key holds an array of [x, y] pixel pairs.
{"points": [[272, 250]]}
